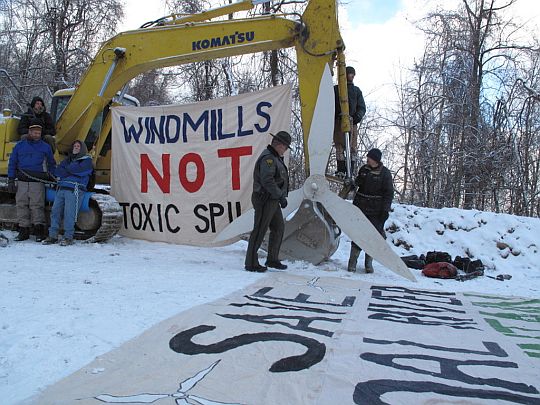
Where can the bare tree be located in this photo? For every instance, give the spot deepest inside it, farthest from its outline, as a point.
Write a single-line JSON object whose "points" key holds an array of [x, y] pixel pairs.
{"points": [[47, 44], [456, 116]]}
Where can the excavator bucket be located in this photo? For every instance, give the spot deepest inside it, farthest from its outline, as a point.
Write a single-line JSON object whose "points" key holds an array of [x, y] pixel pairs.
{"points": [[311, 235]]}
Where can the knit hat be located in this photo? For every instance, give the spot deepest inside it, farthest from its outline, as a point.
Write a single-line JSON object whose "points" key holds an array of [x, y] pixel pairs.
{"points": [[375, 154], [350, 69], [35, 123], [283, 137]]}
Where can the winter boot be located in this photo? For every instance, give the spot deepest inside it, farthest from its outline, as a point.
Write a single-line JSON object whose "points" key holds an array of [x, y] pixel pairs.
{"points": [[24, 234], [276, 264], [341, 168], [368, 264], [50, 241], [66, 242], [353, 258], [41, 232]]}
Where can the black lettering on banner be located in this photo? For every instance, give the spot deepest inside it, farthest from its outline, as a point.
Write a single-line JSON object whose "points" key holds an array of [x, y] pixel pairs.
{"points": [[270, 304], [124, 206], [370, 392], [138, 216], [197, 211], [167, 222], [493, 349], [147, 219], [182, 343], [136, 225], [302, 324], [450, 369], [210, 213], [303, 298], [419, 307], [160, 222], [408, 295], [415, 318]]}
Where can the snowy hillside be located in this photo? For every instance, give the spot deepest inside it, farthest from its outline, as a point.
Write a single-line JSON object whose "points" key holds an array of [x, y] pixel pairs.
{"points": [[62, 306]]}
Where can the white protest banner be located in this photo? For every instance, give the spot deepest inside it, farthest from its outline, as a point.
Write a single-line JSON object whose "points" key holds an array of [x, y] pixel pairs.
{"points": [[291, 339], [183, 172]]}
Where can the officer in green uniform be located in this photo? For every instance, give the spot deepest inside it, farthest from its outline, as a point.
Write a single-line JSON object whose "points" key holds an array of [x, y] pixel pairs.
{"points": [[270, 190]]}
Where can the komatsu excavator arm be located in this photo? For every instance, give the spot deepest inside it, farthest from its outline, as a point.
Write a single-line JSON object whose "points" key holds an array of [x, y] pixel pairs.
{"points": [[315, 37]]}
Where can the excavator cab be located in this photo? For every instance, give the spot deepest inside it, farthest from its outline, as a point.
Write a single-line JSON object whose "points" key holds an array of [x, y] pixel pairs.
{"points": [[60, 101]]}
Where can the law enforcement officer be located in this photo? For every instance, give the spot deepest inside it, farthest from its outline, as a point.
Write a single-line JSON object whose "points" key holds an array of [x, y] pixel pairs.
{"points": [[270, 190]]}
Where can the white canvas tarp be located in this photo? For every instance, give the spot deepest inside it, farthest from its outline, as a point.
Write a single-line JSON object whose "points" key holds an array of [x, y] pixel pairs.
{"points": [[295, 340]]}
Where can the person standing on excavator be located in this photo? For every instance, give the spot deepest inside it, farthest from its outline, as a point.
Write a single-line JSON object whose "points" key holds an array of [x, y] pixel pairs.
{"points": [[270, 190], [357, 110], [37, 112], [30, 162], [374, 198]]}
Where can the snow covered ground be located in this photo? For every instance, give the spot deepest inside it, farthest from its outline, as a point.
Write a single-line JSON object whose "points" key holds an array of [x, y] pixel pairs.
{"points": [[61, 307]]}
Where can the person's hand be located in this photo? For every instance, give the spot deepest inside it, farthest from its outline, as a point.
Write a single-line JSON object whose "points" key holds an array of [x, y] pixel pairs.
{"points": [[12, 188], [282, 202]]}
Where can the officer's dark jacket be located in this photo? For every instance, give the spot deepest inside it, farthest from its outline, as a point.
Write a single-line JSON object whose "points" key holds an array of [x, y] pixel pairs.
{"points": [[375, 190], [357, 105], [270, 175]]}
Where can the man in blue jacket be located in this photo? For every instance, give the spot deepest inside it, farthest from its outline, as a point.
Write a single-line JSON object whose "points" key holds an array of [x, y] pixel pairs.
{"points": [[30, 162], [73, 173]]}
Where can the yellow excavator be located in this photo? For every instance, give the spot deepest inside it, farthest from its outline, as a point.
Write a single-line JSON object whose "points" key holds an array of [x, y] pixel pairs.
{"points": [[177, 40]]}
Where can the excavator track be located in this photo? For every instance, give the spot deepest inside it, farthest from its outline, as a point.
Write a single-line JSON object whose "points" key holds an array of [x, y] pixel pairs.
{"points": [[111, 217], [99, 224]]}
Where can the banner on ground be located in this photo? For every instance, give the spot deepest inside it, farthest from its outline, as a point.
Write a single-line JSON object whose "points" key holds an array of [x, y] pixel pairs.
{"points": [[181, 173], [299, 340]]}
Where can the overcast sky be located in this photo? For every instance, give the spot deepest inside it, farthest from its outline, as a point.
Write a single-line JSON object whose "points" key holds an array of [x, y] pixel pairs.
{"points": [[379, 35]]}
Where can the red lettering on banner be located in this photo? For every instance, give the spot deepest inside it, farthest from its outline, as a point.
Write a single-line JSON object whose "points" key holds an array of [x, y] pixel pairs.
{"points": [[163, 182], [191, 186], [235, 154]]}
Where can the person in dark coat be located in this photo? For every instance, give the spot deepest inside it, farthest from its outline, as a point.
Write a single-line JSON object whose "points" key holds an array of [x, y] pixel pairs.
{"points": [[31, 163], [374, 198], [37, 112], [357, 110], [270, 190], [73, 173]]}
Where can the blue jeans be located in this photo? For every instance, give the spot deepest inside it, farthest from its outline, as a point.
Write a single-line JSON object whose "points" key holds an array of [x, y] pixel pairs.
{"points": [[65, 207]]}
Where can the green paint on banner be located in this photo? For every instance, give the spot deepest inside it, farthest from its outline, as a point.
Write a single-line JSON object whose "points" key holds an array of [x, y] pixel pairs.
{"points": [[510, 330], [517, 317], [520, 314], [535, 347]]}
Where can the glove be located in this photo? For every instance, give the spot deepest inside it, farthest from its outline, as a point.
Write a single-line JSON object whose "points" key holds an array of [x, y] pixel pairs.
{"points": [[282, 202], [12, 188], [384, 216]]}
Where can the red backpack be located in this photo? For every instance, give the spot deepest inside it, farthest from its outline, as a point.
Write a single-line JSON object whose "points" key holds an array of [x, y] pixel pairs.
{"points": [[440, 270]]}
